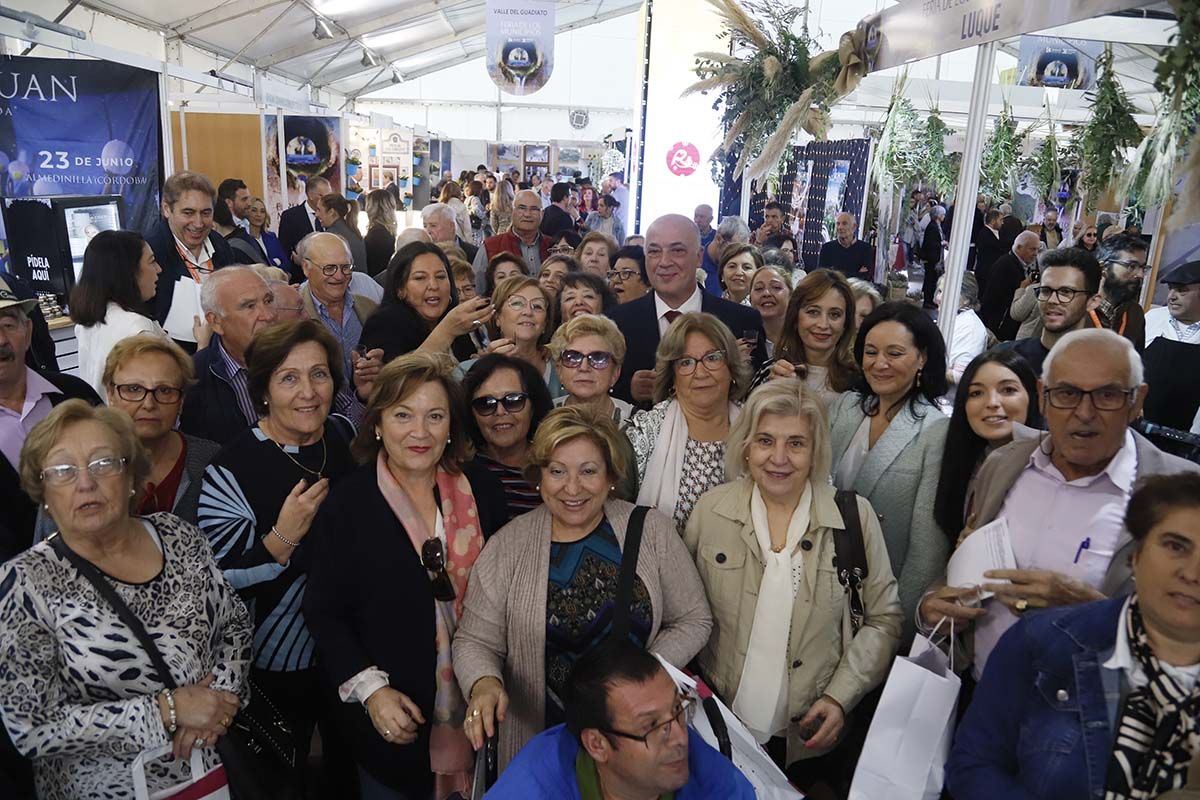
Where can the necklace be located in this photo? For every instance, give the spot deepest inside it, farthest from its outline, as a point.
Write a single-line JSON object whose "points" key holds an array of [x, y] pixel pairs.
{"points": [[324, 456]]}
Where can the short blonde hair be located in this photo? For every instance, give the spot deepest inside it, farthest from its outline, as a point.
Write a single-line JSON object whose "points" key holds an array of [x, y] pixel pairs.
{"points": [[673, 345], [47, 433], [131, 347], [510, 286], [567, 423], [787, 397], [589, 325], [269, 273]]}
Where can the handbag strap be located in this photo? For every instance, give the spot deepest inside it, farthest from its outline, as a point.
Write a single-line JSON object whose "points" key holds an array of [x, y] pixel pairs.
{"points": [[850, 555], [106, 590], [629, 559]]}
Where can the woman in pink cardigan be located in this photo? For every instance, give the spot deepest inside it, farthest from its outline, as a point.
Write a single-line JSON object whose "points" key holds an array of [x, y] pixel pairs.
{"points": [[542, 592]]}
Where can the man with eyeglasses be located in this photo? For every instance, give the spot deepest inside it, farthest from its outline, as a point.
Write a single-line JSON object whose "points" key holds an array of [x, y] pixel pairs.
{"points": [[1063, 494], [1172, 355], [673, 255], [187, 250], [1069, 288], [326, 296], [1124, 260], [626, 736], [524, 238]]}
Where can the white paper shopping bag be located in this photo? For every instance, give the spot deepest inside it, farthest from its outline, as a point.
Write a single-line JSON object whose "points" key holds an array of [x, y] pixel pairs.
{"points": [[907, 745], [210, 785]]}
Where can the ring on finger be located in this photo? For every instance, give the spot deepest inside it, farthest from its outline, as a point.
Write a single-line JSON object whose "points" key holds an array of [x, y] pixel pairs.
{"points": [[1021, 605], [199, 741], [387, 733]]}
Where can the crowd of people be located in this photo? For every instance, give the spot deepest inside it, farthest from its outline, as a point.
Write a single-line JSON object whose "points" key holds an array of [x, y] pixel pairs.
{"points": [[488, 478]]}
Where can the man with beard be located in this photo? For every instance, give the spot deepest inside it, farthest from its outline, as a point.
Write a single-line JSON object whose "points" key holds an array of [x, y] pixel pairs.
{"points": [[1069, 289], [1172, 356], [1124, 260]]}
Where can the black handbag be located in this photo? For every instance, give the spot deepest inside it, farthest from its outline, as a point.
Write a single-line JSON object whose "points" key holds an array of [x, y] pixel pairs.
{"points": [[258, 747]]}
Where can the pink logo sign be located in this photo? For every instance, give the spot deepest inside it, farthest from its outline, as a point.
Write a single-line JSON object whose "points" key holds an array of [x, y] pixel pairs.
{"points": [[683, 158]]}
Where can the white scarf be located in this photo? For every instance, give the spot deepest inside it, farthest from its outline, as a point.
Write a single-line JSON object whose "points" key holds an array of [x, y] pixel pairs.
{"points": [[761, 701], [660, 488]]}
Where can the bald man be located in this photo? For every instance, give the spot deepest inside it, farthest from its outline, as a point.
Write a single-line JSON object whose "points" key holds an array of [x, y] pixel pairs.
{"points": [[673, 254], [848, 254], [524, 238]]}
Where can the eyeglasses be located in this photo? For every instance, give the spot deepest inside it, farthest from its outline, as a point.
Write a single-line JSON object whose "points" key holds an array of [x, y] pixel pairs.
{"points": [[712, 361], [1136, 266], [623, 274], [1064, 294], [660, 734], [1106, 398], [64, 474], [329, 270], [562, 248], [573, 359], [520, 304], [485, 405], [136, 393], [433, 559]]}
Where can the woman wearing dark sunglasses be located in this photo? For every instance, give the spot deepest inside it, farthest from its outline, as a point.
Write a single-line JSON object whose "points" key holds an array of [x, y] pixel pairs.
{"points": [[393, 548], [507, 399]]}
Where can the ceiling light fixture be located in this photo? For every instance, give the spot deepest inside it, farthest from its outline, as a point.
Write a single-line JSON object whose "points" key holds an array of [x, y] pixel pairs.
{"points": [[321, 29]]}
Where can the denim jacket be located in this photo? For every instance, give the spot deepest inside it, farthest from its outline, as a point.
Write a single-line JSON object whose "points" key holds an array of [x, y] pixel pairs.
{"points": [[1042, 721]]}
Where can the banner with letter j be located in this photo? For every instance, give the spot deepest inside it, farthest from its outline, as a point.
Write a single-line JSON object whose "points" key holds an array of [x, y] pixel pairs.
{"points": [[520, 44], [81, 127]]}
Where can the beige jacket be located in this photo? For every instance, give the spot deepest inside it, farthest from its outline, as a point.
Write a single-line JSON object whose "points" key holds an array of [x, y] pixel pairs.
{"points": [[502, 632], [822, 659]]}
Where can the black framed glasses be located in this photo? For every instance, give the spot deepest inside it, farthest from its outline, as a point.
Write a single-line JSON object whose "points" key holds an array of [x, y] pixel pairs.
{"points": [[623, 274], [63, 474], [712, 361], [136, 393], [433, 559], [1130, 264], [1064, 294], [1106, 398], [486, 405], [329, 270], [660, 734], [573, 359]]}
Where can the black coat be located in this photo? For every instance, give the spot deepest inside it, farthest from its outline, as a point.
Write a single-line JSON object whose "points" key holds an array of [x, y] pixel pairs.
{"points": [[397, 329], [17, 511], [294, 225], [638, 321], [210, 407], [369, 603], [470, 249], [988, 249], [1004, 279], [381, 244], [162, 242], [1010, 229], [931, 244]]}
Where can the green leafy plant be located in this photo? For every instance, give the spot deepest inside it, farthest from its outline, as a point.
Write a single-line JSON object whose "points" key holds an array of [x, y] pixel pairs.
{"points": [[898, 155], [1108, 134], [1044, 167], [935, 162], [998, 170]]}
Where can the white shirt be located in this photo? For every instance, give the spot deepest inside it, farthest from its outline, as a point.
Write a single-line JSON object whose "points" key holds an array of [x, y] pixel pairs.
{"points": [[312, 215], [1159, 323], [1122, 659], [689, 306], [970, 339], [1069, 527], [97, 341], [203, 262], [854, 457]]}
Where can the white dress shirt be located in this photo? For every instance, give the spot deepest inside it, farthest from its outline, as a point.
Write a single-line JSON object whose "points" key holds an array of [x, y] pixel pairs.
{"points": [[1122, 659], [689, 306], [1069, 527]]}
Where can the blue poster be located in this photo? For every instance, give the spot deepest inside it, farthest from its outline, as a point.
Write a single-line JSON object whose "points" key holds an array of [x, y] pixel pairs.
{"points": [[81, 127]]}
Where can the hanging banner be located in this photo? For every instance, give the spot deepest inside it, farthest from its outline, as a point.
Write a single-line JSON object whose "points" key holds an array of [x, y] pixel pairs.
{"points": [[74, 127], [1058, 63], [916, 29], [520, 44]]}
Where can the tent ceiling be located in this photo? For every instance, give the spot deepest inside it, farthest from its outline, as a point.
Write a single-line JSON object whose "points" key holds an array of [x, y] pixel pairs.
{"points": [[410, 37]]}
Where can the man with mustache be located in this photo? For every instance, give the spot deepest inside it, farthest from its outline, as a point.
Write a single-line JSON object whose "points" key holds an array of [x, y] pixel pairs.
{"points": [[1124, 260], [1172, 355]]}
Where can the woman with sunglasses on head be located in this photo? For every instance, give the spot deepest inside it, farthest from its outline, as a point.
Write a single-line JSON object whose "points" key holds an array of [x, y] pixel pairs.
{"points": [[400, 534], [544, 590], [507, 400]]}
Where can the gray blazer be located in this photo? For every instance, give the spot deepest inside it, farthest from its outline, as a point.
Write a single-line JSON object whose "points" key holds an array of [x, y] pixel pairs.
{"points": [[502, 631], [900, 478], [187, 498]]}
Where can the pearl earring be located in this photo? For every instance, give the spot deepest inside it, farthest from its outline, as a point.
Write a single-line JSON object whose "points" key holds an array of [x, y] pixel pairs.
{"points": [[378, 438]]}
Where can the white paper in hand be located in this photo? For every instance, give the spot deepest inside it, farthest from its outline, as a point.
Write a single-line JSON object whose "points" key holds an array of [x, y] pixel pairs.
{"points": [[986, 548], [185, 304]]}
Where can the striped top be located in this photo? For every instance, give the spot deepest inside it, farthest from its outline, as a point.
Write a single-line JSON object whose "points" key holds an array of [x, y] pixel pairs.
{"points": [[240, 499], [521, 495], [239, 380]]}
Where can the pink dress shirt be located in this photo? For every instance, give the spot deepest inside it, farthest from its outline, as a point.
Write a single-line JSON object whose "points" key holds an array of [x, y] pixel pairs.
{"points": [[15, 427]]}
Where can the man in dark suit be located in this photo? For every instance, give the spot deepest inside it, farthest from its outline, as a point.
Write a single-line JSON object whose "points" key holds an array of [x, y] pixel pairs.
{"points": [[932, 251], [1004, 279], [299, 221], [439, 221], [557, 216], [186, 248], [987, 247], [1010, 226], [673, 254]]}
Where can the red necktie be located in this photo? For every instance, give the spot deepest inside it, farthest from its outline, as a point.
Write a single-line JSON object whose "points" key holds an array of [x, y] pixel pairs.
{"points": [[672, 315]]}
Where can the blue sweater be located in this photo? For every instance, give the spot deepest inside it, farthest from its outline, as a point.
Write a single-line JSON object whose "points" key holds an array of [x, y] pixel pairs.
{"points": [[545, 768]]}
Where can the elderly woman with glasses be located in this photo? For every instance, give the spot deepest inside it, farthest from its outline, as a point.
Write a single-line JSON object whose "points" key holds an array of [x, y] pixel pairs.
{"points": [[680, 442], [627, 274], [79, 696], [402, 532], [543, 592], [779, 653], [522, 327], [145, 377]]}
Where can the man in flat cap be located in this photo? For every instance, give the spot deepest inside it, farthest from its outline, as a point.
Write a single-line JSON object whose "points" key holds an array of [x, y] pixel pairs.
{"points": [[1172, 355]]}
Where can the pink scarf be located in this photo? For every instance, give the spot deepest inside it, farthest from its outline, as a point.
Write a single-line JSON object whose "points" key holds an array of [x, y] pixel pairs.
{"points": [[450, 754]]}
